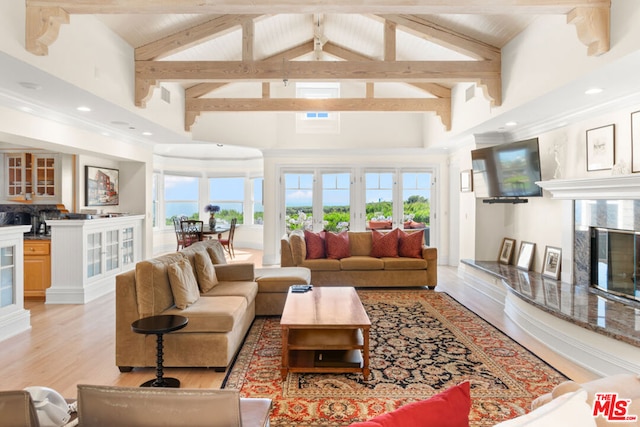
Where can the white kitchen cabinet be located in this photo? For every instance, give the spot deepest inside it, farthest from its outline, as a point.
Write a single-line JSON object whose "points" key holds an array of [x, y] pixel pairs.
{"points": [[31, 176], [86, 255], [13, 316]]}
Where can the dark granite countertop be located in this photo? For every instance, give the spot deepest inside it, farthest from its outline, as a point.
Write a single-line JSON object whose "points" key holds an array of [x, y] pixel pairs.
{"points": [[578, 304], [31, 236]]}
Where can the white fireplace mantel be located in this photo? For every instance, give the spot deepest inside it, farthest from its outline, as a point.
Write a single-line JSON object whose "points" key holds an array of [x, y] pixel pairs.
{"points": [[618, 187]]}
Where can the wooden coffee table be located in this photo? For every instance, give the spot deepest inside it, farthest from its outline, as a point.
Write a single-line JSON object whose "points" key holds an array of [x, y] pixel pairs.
{"points": [[325, 330]]}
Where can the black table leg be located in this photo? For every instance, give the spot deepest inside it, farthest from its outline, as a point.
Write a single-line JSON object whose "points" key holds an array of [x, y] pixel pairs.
{"points": [[160, 380]]}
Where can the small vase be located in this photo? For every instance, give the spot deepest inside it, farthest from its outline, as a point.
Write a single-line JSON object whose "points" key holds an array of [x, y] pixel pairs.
{"points": [[212, 221]]}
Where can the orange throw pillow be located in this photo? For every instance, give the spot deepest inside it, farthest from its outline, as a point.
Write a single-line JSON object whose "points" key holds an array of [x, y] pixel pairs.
{"points": [[384, 244], [315, 243], [337, 245], [410, 244]]}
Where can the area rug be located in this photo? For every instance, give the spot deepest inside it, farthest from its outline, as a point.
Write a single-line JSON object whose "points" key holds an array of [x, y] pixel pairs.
{"points": [[422, 342]]}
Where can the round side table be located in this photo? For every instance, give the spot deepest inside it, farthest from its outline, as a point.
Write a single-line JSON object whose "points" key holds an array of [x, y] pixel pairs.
{"points": [[160, 325]]}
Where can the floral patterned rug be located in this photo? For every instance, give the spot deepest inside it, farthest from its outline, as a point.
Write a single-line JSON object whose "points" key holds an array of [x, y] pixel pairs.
{"points": [[422, 342]]}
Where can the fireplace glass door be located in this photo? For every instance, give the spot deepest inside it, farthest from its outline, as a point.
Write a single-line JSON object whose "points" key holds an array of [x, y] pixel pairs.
{"points": [[615, 255]]}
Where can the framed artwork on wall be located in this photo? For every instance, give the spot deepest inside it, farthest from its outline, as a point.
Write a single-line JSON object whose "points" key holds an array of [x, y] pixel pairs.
{"points": [[101, 186], [551, 265], [635, 141], [466, 181], [506, 250], [525, 256], [601, 148]]}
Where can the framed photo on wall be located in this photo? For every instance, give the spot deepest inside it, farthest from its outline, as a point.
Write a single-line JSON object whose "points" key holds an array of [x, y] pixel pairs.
{"points": [[525, 256], [601, 148], [101, 186], [466, 181], [552, 260], [506, 251], [635, 141]]}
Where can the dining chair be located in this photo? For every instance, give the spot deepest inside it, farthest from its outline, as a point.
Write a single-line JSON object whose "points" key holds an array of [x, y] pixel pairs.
{"points": [[191, 231], [227, 243], [178, 229]]}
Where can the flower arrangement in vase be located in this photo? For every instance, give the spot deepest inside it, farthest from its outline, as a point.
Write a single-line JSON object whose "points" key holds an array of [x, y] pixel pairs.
{"points": [[212, 209]]}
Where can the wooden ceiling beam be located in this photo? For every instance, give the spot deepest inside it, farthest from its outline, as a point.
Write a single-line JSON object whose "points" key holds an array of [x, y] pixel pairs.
{"points": [[398, 71], [193, 107], [349, 55], [458, 42], [425, 7], [201, 89], [190, 37]]}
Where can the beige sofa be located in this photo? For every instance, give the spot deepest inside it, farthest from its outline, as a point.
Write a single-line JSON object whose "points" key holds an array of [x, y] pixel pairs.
{"points": [[360, 269], [218, 320]]}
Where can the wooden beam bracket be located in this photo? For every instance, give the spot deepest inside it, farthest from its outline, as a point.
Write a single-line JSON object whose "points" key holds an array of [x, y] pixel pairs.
{"points": [[42, 27], [593, 27], [144, 91]]}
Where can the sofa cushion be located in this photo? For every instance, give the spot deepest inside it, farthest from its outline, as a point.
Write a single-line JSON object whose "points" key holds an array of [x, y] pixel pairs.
{"points": [[360, 243], [361, 263], [321, 264], [216, 252], [410, 244], [218, 314], [237, 288], [279, 279], [153, 289], [384, 244], [315, 243], [404, 263], [205, 271], [449, 408], [184, 285], [337, 245], [298, 246]]}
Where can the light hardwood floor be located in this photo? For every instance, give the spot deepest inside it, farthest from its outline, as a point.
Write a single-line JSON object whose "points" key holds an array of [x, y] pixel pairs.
{"points": [[75, 344]]}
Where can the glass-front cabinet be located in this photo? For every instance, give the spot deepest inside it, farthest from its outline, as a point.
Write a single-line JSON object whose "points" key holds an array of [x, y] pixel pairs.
{"points": [[30, 176], [7, 276], [110, 250]]}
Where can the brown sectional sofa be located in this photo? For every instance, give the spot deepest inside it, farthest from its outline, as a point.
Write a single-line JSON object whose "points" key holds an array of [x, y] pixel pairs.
{"points": [[218, 320], [360, 269]]}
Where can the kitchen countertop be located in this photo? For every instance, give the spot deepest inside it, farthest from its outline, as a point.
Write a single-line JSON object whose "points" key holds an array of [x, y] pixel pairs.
{"points": [[31, 236]]}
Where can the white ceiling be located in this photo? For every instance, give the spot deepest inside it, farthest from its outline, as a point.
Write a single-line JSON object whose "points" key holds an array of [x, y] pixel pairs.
{"points": [[275, 33]]}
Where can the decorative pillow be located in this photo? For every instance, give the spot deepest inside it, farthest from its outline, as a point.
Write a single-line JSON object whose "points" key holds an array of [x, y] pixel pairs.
{"points": [[183, 284], [449, 408], [337, 245], [570, 409], [384, 244], [410, 244], [216, 252], [315, 243], [205, 271]]}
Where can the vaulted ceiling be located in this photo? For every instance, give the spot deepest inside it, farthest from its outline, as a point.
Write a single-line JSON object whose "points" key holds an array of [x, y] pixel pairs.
{"points": [[425, 45]]}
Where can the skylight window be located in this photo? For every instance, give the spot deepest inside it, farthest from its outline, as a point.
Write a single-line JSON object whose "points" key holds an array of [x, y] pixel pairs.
{"points": [[318, 121]]}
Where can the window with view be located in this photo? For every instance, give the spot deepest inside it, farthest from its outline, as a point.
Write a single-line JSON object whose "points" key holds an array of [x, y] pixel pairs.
{"points": [[379, 200], [298, 201], [180, 198], [228, 193], [155, 201], [416, 199], [318, 121]]}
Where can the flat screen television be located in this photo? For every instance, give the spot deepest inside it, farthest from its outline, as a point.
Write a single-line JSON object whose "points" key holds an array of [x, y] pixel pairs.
{"points": [[507, 170]]}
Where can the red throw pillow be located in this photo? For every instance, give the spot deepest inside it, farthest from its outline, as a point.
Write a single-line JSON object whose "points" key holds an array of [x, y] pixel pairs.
{"points": [[384, 244], [410, 244], [315, 244], [337, 245], [447, 409]]}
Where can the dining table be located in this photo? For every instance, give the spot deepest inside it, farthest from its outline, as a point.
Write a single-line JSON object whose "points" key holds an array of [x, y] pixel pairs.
{"points": [[217, 230]]}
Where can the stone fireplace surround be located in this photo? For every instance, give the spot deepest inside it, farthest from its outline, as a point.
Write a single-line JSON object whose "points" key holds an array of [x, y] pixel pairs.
{"points": [[601, 334]]}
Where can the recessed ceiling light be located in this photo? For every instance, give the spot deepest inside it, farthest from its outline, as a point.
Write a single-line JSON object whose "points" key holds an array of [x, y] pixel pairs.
{"points": [[511, 124], [30, 85], [27, 109], [83, 108], [147, 133], [593, 91]]}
